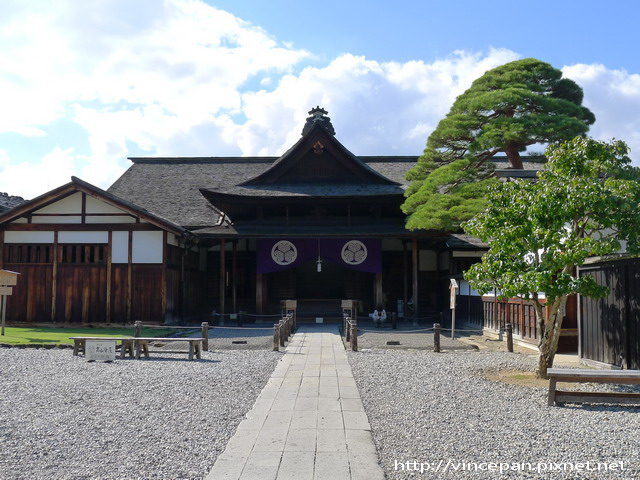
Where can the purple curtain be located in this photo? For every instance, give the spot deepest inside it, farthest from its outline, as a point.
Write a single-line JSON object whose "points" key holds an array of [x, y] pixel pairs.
{"points": [[357, 253]]}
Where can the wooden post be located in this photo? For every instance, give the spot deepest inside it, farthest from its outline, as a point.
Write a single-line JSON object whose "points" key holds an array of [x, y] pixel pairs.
{"points": [[222, 275], [354, 337], [379, 289], [414, 261], [137, 330], [394, 320], [281, 332], [4, 312], [54, 276], [436, 337], [234, 271], [509, 329], [163, 279], [130, 277], [405, 273], [276, 337], [109, 261], [205, 335], [259, 293], [347, 329]]}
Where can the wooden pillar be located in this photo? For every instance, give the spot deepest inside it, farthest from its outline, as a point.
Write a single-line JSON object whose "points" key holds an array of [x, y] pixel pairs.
{"points": [[222, 276], [54, 276], [234, 272], [259, 293], [163, 286], [414, 262], [1, 249], [130, 277], [379, 290], [108, 272], [405, 275]]}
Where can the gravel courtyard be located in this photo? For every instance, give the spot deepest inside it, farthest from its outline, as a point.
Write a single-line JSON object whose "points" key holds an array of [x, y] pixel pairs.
{"points": [[430, 408], [62, 417]]}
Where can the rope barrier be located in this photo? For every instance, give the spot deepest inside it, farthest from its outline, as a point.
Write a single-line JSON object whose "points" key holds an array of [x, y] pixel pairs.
{"points": [[240, 328], [395, 331]]}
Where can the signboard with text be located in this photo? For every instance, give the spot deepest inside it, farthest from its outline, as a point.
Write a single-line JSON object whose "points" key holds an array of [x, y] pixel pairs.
{"points": [[100, 350]]}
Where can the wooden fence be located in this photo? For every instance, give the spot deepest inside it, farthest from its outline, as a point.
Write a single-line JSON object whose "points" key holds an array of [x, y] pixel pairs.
{"points": [[610, 326]]}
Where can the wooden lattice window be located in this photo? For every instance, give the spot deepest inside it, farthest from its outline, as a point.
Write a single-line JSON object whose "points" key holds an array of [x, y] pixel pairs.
{"points": [[78, 253], [28, 253]]}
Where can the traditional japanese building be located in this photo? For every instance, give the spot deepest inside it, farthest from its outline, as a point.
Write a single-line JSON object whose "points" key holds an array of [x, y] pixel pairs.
{"points": [[174, 239]]}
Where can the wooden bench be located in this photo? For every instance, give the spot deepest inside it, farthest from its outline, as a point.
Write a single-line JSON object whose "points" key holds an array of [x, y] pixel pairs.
{"points": [[126, 344], [628, 377], [141, 345]]}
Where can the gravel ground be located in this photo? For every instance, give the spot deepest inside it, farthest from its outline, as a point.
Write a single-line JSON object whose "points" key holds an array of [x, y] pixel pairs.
{"points": [[62, 417], [414, 337], [430, 408]]}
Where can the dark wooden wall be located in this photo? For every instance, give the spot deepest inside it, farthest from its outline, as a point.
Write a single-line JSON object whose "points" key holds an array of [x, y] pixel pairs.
{"points": [[81, 287], [610, 326]]}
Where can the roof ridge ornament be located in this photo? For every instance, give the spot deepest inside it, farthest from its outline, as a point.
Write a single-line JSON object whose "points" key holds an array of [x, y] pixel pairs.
{"points": [[318, 115]]}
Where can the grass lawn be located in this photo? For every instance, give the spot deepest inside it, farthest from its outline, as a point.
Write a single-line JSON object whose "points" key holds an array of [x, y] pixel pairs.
{"points": [[20, 335]]}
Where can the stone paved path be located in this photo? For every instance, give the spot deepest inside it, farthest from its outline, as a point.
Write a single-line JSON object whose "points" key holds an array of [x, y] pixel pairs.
{"points": [[308, 422]]}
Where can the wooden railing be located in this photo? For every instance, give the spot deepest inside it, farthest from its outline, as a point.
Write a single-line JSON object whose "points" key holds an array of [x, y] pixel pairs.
{"points": [[517, 311]]}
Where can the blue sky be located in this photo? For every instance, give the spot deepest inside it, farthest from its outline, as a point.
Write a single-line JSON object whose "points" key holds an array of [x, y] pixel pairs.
{"points": [[83, 85]]}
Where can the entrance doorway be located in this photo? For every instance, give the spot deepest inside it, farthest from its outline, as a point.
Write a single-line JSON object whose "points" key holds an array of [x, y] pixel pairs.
{"points": [[329, 283]]}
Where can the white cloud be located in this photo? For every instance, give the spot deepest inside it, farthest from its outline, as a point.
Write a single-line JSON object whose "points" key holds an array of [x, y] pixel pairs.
{"points": [[614, 98], [175, 78], [32, 179]]}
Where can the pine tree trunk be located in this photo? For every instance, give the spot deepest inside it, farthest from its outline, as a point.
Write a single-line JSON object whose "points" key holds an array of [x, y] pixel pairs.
{"points": [[513, 155]]}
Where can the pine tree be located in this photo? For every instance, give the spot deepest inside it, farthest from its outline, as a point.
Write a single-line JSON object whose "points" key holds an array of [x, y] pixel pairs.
{"points": [[509, 108]]}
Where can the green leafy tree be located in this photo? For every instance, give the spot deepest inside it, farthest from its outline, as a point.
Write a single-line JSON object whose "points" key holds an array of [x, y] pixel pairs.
{"points": [[584, 203], [510, 107]]}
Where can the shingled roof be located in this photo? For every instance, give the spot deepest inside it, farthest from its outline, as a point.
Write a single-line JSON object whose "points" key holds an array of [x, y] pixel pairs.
{"points": [[170, 187], [9, 201]]}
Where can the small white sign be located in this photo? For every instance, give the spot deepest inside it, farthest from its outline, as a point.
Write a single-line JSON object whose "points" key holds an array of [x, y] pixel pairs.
{"points": [[319, 320], [100, 350], [233, 316]]}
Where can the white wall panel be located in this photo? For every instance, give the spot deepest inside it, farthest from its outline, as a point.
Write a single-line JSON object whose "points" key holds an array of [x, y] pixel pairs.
{"points": [[28, 237], [147, 247], [70, 204], [20, 220], [120, 247], [72, 219], [83, 237], [98, 206]]}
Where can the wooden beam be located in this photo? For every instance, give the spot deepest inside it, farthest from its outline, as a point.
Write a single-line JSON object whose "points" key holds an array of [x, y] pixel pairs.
{"points": [[130, 277], [1, 250], [414, 261], [54, 276], [109, 261], [47, 227], [222, 276]]}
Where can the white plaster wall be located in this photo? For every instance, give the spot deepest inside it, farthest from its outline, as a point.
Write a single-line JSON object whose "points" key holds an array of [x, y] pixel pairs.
{"points": [[428, 261], [20, 220], [147, 247], [98, 206], [28, 237], [109, 219], [56, 219], [172, 240], [120, 247], [83, 237], [70, 204], [464, 289]]}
